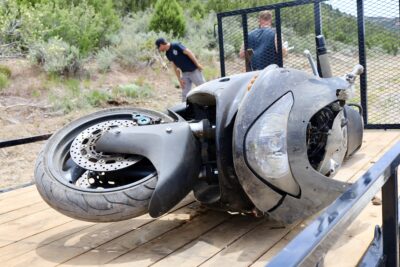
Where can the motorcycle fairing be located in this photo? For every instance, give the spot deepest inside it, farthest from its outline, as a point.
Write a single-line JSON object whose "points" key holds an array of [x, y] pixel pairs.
{"points": [[171, 148], [355, 132], [226, 94], [310, 95]]}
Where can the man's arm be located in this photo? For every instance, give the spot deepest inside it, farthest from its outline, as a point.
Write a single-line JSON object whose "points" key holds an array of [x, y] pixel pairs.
{"points": [[241, 53], [178, 75], [193, 58], [284, 50]]}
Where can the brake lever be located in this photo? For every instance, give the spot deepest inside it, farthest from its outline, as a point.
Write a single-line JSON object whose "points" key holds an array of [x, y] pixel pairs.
{"points": [[313, 65], [346, 93]]}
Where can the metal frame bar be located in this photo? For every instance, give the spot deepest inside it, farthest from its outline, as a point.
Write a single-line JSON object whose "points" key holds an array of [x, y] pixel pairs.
{"points": [[221, 46], [267, 7], [362, 58], [279, 36], [382, 126], [318, 30], [310, 246], [246, 39], [22, 141], [390, 223]]}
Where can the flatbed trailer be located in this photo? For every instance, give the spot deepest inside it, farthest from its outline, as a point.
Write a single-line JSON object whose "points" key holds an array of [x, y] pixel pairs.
{"points": [[33, 234]]}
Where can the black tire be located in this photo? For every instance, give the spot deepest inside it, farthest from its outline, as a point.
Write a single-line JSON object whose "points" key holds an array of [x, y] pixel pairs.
{"points": [[95, 205]]}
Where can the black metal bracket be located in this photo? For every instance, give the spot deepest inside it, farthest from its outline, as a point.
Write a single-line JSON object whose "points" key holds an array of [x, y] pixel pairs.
{"points": [[23, 141]]}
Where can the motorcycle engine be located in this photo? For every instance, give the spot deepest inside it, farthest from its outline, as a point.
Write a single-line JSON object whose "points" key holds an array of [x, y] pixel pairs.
{"points": [[327, 139]]}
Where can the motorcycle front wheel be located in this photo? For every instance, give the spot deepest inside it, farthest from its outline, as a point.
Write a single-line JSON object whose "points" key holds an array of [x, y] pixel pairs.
{"points": [[83, 184]]}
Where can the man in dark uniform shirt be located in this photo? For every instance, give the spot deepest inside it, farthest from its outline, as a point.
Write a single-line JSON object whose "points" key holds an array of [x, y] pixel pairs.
{"points": [[263, 42], [187, 68]]}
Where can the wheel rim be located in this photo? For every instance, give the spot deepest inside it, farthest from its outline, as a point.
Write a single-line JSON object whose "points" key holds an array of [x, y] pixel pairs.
{"points": [[120, 172]]}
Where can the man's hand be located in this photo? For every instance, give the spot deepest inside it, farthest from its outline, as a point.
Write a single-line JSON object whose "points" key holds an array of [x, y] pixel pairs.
{"points": [[182, 83], [193, 58]]}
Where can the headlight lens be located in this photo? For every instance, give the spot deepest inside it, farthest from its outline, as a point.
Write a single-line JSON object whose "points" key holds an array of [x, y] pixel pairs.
{"points": [[266, 141]]}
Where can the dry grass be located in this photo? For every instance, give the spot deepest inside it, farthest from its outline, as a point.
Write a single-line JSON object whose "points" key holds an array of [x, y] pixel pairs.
{"points": [[25, 109]]}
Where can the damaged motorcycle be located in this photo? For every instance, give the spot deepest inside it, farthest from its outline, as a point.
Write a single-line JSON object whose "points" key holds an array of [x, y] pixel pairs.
{"points": [[265, 142]]}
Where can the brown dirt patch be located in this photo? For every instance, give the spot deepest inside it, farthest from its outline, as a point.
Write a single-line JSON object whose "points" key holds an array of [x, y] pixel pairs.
{"points": [[25, 110]]}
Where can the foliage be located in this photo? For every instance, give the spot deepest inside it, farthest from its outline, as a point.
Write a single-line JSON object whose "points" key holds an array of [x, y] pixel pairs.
{"points": [[84, 24], [128, 6], [134, 90], [56, 56], [3, 81], [225, 5], [97, 98], [5, 70], [104, 58], [200, 37], [168, 17], [195, 8], [211, 73], [134, 44]]}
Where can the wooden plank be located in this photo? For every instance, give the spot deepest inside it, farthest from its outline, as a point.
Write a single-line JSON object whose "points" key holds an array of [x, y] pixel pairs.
{"points": [[355, 240], [41, 239], [26, 247], [211, 243], [19, 229], [267, 256], [363, 157], [17, 192], [160, 248], [116, 247], [23, 212], [92, 237], [19, 201], [251, 246]]}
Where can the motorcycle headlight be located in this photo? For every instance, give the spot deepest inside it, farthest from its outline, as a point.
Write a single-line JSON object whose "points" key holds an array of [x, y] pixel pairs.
{"points": [[266, 141]]}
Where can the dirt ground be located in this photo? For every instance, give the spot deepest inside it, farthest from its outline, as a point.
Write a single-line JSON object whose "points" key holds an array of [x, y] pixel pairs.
{"points": [[24, 115]]}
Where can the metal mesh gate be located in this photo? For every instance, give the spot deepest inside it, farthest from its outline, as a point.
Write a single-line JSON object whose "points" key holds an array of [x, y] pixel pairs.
{"points": [[356, 31]]}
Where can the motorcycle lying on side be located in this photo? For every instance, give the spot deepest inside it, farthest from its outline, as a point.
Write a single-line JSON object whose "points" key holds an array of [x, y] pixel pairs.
{"points": [[264, 142]]}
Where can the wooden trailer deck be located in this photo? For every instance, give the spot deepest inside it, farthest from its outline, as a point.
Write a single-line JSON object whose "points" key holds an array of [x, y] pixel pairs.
{"points": [[33, 234]]}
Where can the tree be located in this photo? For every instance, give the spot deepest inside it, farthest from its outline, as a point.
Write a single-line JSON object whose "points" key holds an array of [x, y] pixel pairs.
{"points": [[168, 17]]}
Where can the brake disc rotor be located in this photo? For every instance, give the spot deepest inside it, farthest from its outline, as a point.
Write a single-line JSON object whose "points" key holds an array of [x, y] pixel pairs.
{"points": [[83, 149]]}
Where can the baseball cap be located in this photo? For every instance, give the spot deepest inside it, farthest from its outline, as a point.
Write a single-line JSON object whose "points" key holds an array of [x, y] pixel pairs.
{"points": [[160, 41]]}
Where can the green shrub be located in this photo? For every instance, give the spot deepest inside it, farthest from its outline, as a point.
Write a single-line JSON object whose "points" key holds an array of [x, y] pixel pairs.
{"points": [[5, 70], [56, 57], [3, 81], [85, 24], [73, 86], [134, 91], [97, 98], [168, 17], [211, 73], [134, 44], [196, 8], [128, 6], [104, 59]]}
